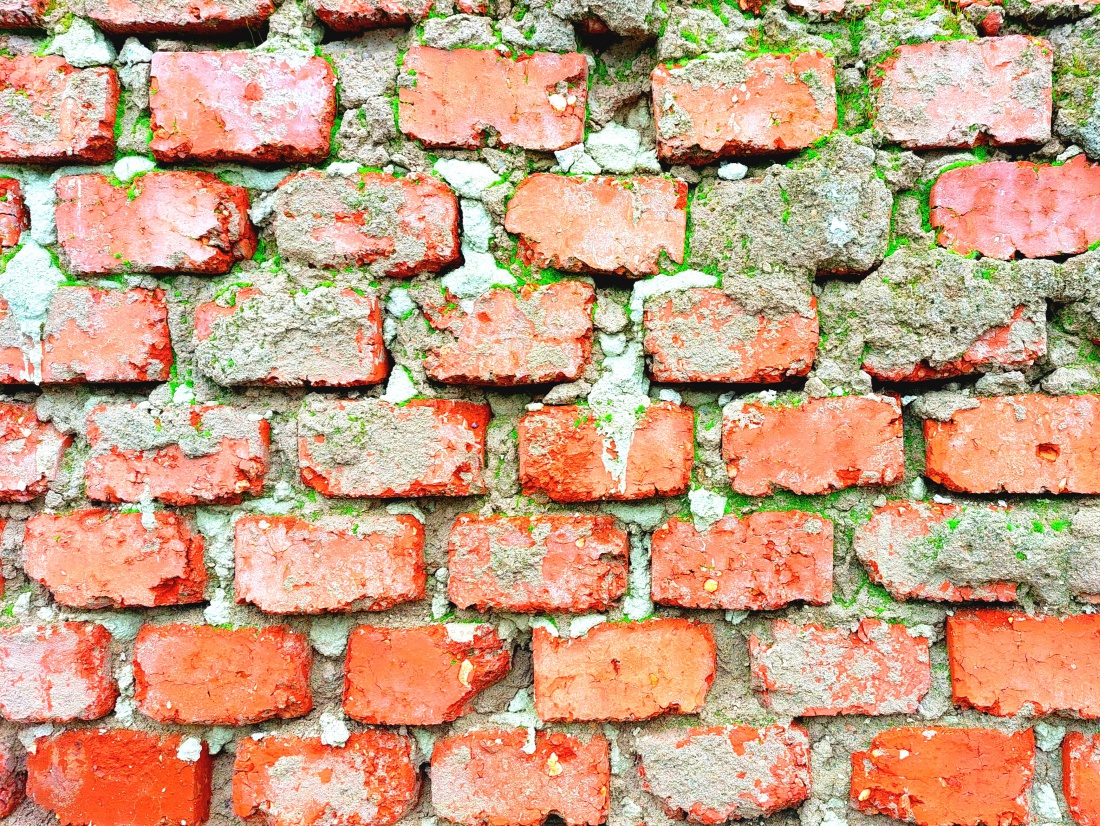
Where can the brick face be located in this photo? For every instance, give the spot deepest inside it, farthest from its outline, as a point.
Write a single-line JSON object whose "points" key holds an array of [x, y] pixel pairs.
{"points": [[13, 213]]}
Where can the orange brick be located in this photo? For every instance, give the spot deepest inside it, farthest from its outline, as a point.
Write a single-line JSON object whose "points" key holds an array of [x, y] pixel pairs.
{"points": [[491, 777], [30, 453], [420, 676], [624, 671], [287, 565], [1006, 663], [946, 776], [537, 563], [1081, 777], [220, 677], [761, 562]]}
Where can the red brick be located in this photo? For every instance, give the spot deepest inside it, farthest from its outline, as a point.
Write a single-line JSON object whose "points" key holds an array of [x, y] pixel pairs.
{"points": [[540, 335], [420, 676], [119, 778], [14, 216], [897, 534], [22, 14], [1017, 444], [357, 15], [733, 105], [286, 565], [458, 98], [829, 8], [1016, 344], [56, 673], [817, 446], [106, 559], [1003, 208], [425, 447], [946, 776], [397, 226], [957, 93], [749, 772], [206, 17], [563, 454], [703, 335], [486, 778], [293, 781], [162, 222], [811, 671], [530, 564], [1081, 777], [52, 112], [221, 677], [13, 779], [325, 337], [761, 562], [241, 106], [185, 455], [1006, 663], [624, 671], [606, 225], [30, 453]]}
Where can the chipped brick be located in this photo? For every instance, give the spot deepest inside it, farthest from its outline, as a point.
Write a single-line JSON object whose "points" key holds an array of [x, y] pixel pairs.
{"points": [[357, 15], [203, 18], [14, 216], [30, 453], [1081, 777]]}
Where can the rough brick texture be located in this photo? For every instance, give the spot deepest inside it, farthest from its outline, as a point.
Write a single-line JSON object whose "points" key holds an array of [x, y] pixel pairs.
{"points": [[1081, 777], [31, 453], [178, 17], [13, 779], [14, 217], [356, 15]]}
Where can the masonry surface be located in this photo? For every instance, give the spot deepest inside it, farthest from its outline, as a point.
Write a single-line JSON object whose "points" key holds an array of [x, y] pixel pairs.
{"points": [[507, 412]]}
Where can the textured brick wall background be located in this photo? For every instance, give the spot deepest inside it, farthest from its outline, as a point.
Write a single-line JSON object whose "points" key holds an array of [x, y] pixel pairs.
{"points": [[601, 410]]}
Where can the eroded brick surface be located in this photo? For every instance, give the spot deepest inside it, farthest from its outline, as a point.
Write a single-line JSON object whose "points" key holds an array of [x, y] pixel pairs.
{"points": [[420, 676], [356, 15], [488, 777], [30, 453], [13, 779], [205, 17], [217, 676], [601, 224], [14, 218], [624, 672], [539, 105], [761, 562], [1081, 777], [545, 563], [21, 14], [100, 558], [936, 776], [288, 565]]}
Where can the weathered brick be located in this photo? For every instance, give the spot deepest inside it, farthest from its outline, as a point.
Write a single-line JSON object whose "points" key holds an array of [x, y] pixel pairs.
{"points": [[829, 8], [426, 447], [183, 455], [241, 106], [1000, 209], [22, 14], [491, 777], [204, 18], [1081, 777], [894, 544], [761, 562], [106, 559], [287, 565], [935, 776], [357, 15], [396, 226], [162, 222], [1006, 663], [711, 775], [14, 217], [703, 335], [564, 454], [539, 335], [951, 93], [606, 225], [729, 104], [119, 777], [52, 112], [531, 564], [294, 781], [13, 779], [457, 98], [817, 446], [56, 673], [629, 671], [324, 337], [30, 453], [420, 676], [217, 676], [1017, 444], [809, 671]]}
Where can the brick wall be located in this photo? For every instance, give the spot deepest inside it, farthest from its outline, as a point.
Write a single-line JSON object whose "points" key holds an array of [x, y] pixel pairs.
{"points": [[604, 411]]}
